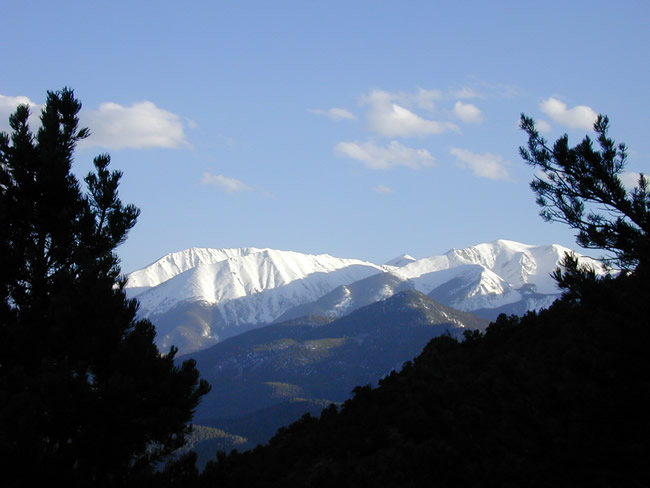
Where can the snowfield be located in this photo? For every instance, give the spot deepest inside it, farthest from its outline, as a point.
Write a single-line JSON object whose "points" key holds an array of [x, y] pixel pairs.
{"points": [[248, 287]]}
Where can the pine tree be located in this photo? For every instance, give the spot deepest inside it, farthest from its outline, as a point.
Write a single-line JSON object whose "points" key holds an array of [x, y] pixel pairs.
{"points": [[581, 187], [85, 395]]}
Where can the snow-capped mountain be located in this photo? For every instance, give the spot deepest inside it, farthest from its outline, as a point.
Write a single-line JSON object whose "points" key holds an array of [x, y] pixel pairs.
{"points": [[400, 261], [487, 279], [178, 262], [488, 275], [197, 297]]}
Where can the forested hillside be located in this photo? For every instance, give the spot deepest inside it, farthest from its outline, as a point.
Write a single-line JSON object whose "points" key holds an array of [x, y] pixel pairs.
{"points": [[558, 398]]}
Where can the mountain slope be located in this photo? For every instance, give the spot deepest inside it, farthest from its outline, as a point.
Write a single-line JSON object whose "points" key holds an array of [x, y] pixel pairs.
{"points": [[356, 349], [350, 297], [318, 362]]}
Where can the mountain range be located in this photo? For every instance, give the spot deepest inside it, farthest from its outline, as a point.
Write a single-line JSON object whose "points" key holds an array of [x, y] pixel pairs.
{"points": [[198, 297], [281, 333]]}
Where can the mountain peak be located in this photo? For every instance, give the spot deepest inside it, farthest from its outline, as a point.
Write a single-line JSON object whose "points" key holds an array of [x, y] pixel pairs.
{"points": [[400, 260], [175, 263]]}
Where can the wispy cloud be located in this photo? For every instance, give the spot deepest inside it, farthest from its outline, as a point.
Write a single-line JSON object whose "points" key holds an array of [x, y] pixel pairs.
{"points": [[384, 189], [375, 156], [335, 113], [467, 113], [485, 90], [578, 117], [423, 98], [486, 165], [388, 119], [223, 182], [142, 125], [466, 92]]}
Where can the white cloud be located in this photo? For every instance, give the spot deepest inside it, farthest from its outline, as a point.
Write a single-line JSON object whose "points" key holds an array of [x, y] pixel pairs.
{"points": [[8, 104], [113, 126], [380, 157], [384, 189], [630, 179], [389, 119], [486, 165], [543, 126], [467, 112], [141, 125], [225, 183], [8, 107], [578, 117], [335, 113]]}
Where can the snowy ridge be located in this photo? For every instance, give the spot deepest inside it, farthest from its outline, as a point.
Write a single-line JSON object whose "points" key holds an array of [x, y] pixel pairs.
{"points": [[501, 276], [489, 275], [176, 263], [400, 261], [199, 296], [219, 276]]}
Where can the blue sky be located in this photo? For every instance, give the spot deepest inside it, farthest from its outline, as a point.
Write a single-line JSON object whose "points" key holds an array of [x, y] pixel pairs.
{"points": [[362, 129]]}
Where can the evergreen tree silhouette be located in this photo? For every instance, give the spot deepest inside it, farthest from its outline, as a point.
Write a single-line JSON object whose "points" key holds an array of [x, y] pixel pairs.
{"points": [[85, 396], [581, 187]]}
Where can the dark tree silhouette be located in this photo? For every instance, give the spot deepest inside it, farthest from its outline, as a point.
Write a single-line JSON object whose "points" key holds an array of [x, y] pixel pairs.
{"points": [[85, 395], [581, 187]]}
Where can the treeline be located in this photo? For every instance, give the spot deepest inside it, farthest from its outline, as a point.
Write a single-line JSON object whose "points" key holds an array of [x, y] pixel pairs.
{"points": [[556, 398]]}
